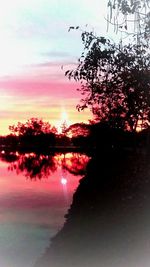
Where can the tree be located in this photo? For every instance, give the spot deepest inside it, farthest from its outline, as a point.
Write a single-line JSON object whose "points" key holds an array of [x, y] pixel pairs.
{"points": [[32, 127], [78, 129], [115, 81], [130, 16], [64, 127], [34, 135]]}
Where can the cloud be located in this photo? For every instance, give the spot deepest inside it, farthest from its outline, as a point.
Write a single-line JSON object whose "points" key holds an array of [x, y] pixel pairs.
{"points": [[35, 44], [25, 98], [56, 54], [28, 88]]}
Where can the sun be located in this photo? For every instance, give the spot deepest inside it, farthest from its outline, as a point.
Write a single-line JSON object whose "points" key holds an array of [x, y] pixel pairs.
{"points": [[64, 118]]}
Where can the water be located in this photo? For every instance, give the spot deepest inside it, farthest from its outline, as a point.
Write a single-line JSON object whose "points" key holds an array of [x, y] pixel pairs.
{"points": [[35, 194], [108, 223]]}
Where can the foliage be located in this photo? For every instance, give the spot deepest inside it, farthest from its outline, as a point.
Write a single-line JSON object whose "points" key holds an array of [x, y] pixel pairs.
{"points": [[115, 81], [32, 127], [123, 13], [78, 129], [64, 127]]}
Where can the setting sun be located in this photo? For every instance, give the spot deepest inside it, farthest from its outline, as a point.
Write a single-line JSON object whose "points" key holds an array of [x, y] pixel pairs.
{"points": [[64, 118], [32, 83]]}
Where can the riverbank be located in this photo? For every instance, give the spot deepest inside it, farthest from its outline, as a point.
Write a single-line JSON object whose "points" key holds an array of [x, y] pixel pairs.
{"points": [[108, 221]]}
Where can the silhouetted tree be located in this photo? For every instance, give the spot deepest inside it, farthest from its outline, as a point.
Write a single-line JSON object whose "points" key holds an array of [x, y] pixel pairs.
{"points": [[78, 129], [64, 127], [33, 126], [35, 134], [62, 140], [9, 141], [130, 16], [115, 81]]}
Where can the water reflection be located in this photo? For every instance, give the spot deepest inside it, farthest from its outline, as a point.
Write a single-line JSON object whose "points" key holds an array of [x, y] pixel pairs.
{"points": [[75, 164], [34, 166], [35, 194], [108, 223], [38, 166], [8, 156]]}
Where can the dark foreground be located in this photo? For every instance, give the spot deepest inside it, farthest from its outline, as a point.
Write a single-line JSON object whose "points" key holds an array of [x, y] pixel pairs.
{"points": [[108, 223]]}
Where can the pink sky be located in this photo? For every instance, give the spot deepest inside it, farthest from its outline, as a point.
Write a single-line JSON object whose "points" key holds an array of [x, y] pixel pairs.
{"points": [[23, 98], [35, 43]]}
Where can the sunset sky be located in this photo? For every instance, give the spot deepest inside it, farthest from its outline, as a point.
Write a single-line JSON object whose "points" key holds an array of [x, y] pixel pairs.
{"points": [[34, 44]]}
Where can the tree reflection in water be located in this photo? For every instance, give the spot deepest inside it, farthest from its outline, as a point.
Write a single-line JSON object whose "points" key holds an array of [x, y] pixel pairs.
{"points": [[108, 222], [38, 166], [8, 156], [34, 166], [75, 164]]}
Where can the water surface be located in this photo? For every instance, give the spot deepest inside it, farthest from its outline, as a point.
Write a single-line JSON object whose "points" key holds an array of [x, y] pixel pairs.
{"points": [[35, 194]]}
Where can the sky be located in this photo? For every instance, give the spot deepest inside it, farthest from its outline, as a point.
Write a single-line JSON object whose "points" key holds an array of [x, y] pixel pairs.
{"points": [[34, 45]]}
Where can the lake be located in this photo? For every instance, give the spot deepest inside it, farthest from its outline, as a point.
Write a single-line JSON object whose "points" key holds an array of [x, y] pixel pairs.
{"points": [[35, 193]]}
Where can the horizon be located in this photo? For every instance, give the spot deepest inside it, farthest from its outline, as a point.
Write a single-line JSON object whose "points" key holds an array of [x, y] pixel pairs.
{"points": [[35, 44], [57, 125]]}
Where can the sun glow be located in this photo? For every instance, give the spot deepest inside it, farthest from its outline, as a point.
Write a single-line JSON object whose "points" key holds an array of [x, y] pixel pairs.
{"points": [[64, 116], [63, 181], [32, 83], [64, 120], [6, 100]]}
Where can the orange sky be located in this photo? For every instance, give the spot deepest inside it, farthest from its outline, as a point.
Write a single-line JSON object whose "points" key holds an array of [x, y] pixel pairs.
{"points": [[35, 43], [49, 100]]}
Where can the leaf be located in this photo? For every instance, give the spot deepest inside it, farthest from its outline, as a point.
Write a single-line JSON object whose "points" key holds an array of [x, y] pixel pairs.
{"points": [[71, 28]]}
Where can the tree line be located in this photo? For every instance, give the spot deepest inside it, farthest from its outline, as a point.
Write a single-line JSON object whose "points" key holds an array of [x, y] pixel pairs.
{"points": [[35, 135], [114, 83]]}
